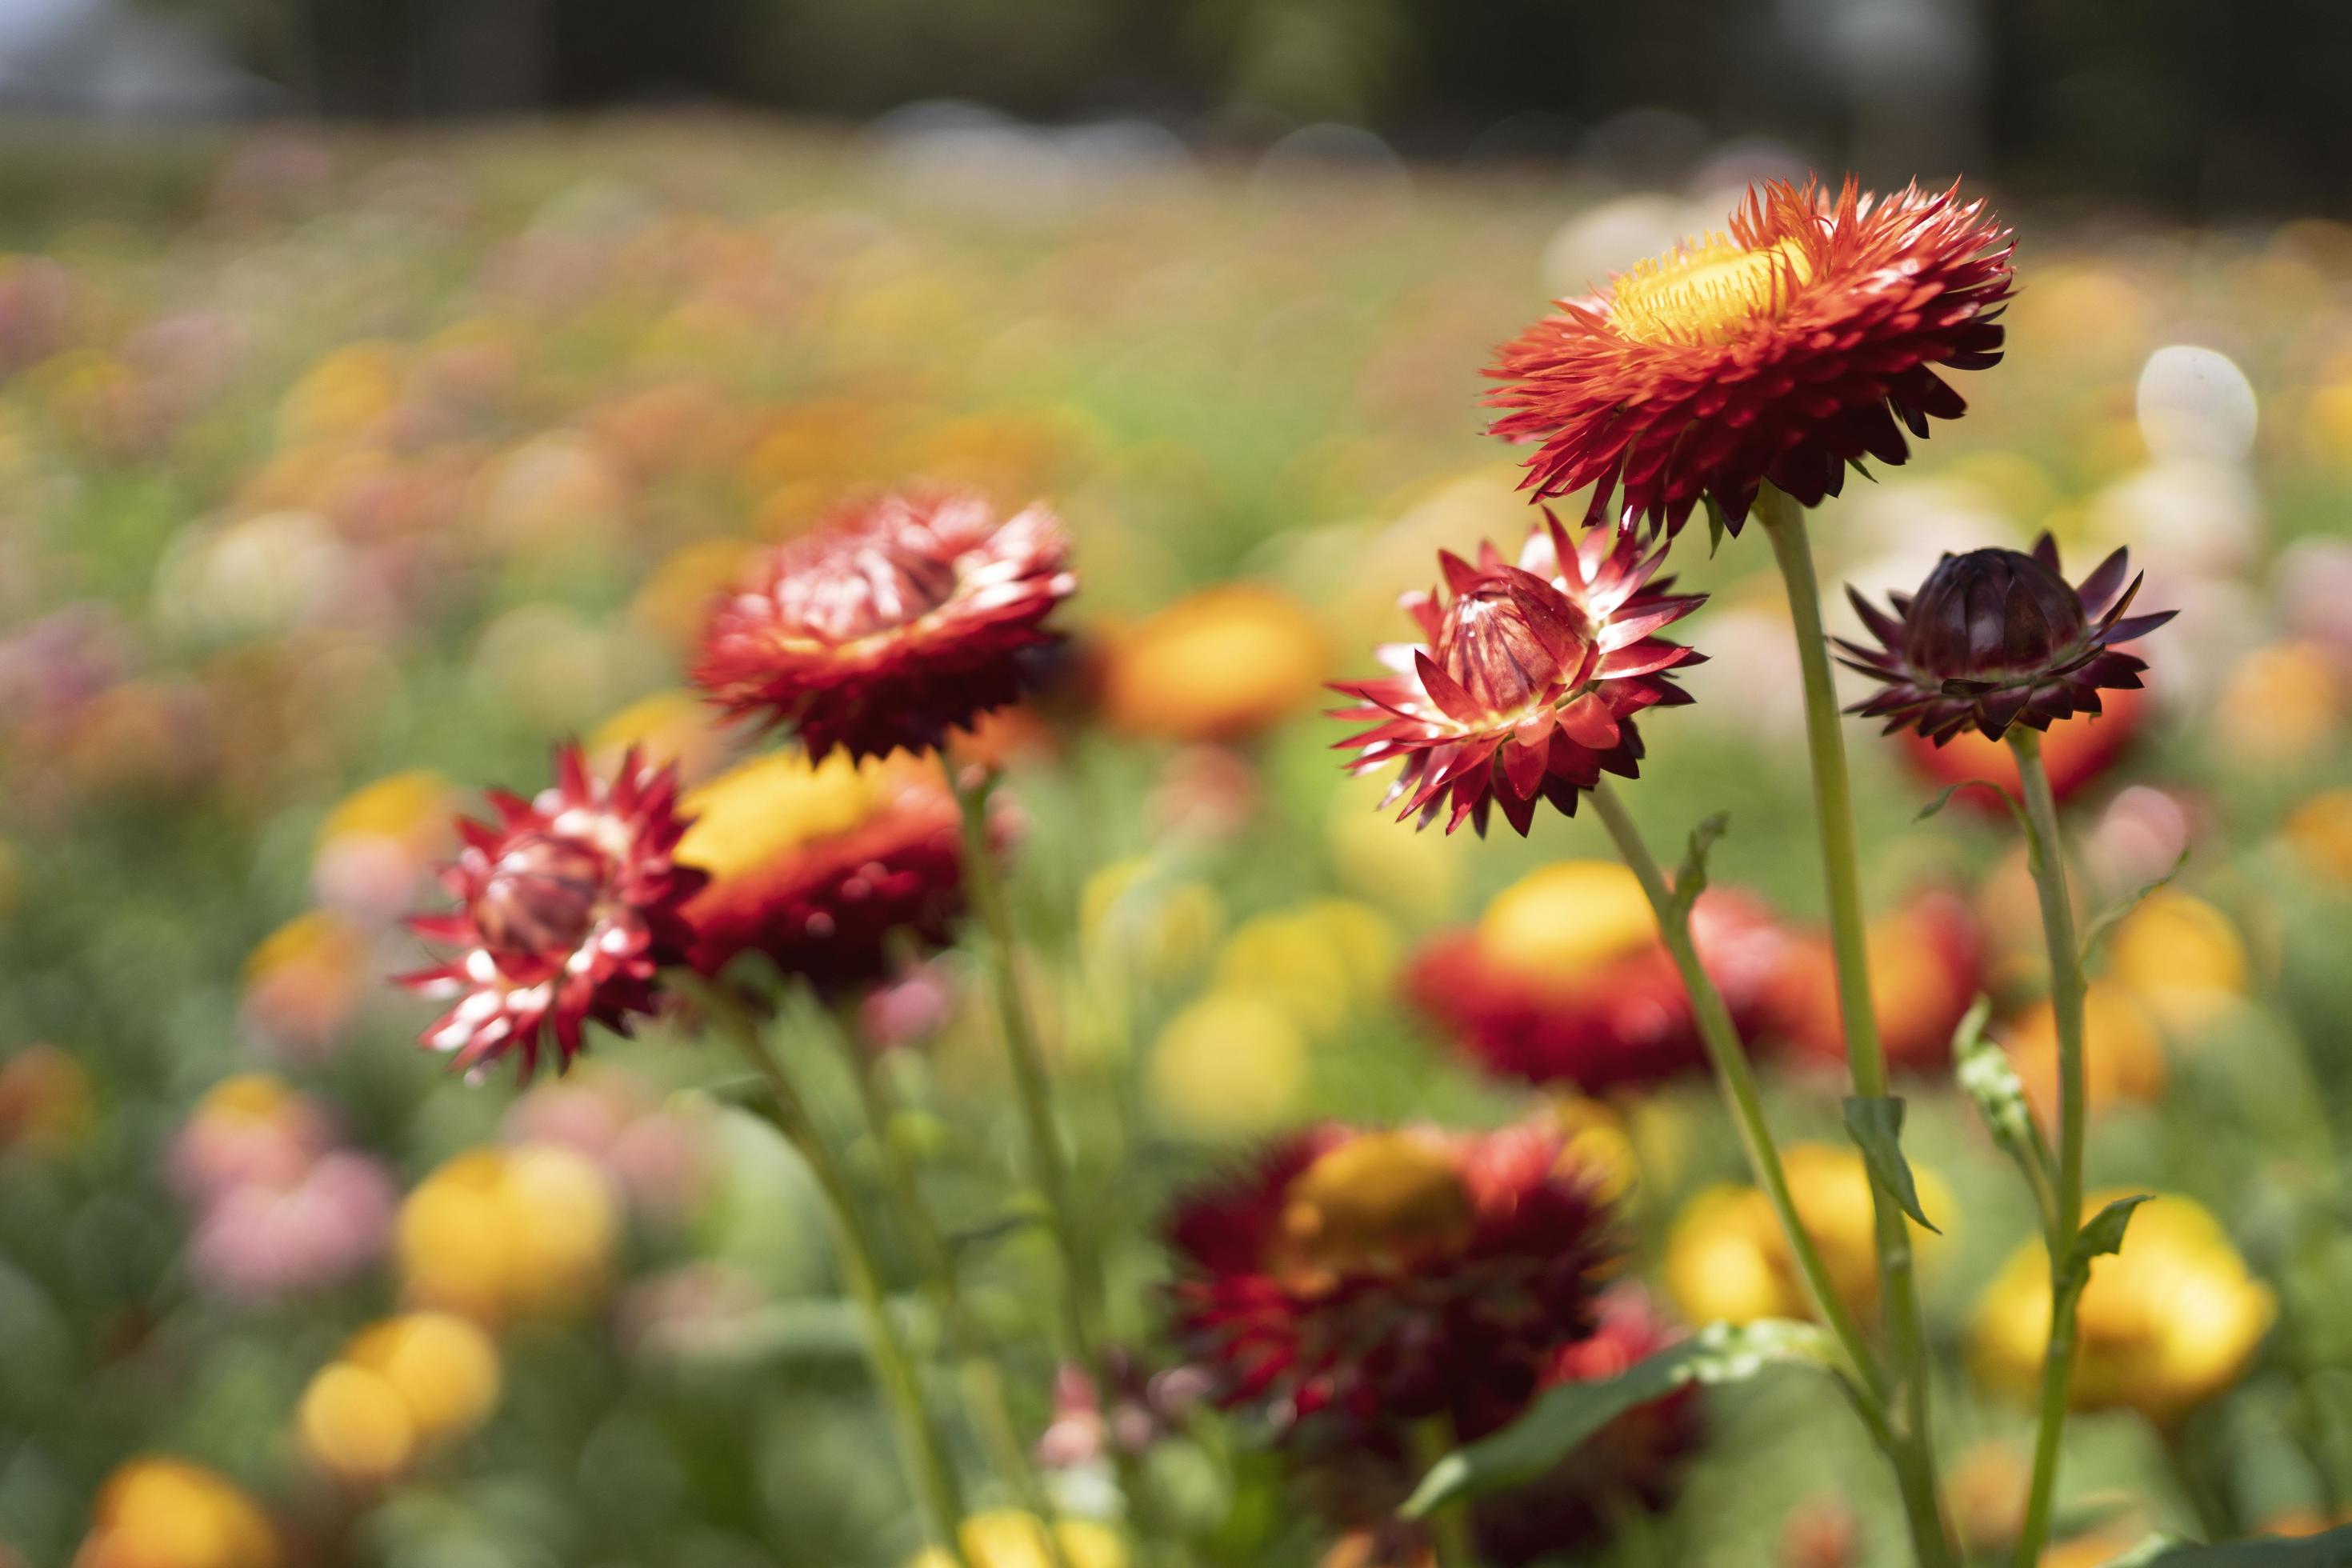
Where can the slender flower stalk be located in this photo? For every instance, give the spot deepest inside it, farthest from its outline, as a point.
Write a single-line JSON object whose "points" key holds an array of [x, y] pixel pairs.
{"points": [[2067, 988], [977, 1371], [1740, 1093], [1450, 1542], [1082, 1288], [1082, 1296], [1911, 1442], [920, 1448]]}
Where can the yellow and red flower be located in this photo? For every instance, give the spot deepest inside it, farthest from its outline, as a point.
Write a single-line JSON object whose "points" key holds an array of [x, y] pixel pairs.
{"points": [[1995, 637], [1376, 1275], [1781, 351], [1564, 981], [1525, 682], [568, 906], [830, 867], [895, 622]]}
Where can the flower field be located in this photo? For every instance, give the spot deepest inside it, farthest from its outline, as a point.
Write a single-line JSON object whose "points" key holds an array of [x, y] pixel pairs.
{"points": [[935, 1031]]}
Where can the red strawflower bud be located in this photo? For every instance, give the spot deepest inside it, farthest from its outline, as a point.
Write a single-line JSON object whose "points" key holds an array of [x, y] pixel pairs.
{"points": [[892, 624], [1995, 637], [1781, 351], [1525, 682], [568, 906]]}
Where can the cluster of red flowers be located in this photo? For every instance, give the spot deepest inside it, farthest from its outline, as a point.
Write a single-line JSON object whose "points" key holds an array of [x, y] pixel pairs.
{"points": [[893, 624]]}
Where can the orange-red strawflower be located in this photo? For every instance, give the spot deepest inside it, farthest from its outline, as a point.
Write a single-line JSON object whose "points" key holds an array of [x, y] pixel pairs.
{"points": [[1927, 965], [896, 621], [1781, 351], [568, 906], [1618, 1020], [1373, 1276], [1997, 637], [1525, 682], [835, 870]]}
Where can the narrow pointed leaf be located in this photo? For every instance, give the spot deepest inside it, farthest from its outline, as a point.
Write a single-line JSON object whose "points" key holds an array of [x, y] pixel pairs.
{"points": [[2329, 1549], [1876, 1124], [2104, 1232], [2113, 915], [1690, 879], [1563, 1416]]}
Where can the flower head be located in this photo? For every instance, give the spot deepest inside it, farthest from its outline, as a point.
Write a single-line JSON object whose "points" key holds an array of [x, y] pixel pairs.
{"points": [[824, 867], [1995, 637], [2164, 1325], [1362, 1276], [567, 907], [895, 622], [1525, 682], [1781, 351], [1927, 965], [1565, 981]]}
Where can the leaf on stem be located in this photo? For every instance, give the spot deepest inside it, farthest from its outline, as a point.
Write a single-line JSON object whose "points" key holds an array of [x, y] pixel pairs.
{"points": [[2330, 1548], [1717, 525], [2113, 915], [1989, 1080], [1876, 1124], [2008, 798], [1565, 1416], [2104, 1232], [1690, 878]]}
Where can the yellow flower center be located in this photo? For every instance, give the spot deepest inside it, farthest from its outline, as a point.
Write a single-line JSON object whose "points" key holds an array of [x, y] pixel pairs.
{"points": [[754, 814], [1556, 924], [1379, 1201], [1706, 291]]}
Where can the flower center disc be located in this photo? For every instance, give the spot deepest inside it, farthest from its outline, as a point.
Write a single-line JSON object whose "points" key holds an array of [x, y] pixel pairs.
{"points": [[1377, 1204], [1709, 292], [542, 899]]}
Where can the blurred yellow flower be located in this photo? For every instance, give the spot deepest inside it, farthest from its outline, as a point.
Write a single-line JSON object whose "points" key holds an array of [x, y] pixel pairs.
{"points": [[1985, 1492], [1565, 916], [2167, 1323], [1415, 875], [1595, 1140], [302, 983], [156, 1513], [1725, 1258], [2280, 703], [1231, 1063], [2319, 833], [2093, 1551], [443, 1367], [503, 1234], [1223, 664], [1165, 924], [675, 601], [1317, 961], [2181, 956], [1007, 1538], [669, 727], [342, 395], [2123, 1055], [353, 1425]]}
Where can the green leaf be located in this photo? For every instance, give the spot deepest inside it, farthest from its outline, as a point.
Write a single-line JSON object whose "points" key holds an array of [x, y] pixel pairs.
{"points": [[1564, 1416], [2330, 1548], [1717, 525], [2113, 915], [2105, 1231], [1690, 880], [1876, 1123], [2008, 798], [1987, 1077]]}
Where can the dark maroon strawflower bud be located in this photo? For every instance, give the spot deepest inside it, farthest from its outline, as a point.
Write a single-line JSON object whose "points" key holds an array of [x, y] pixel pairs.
{"points": [[1995, 637]]}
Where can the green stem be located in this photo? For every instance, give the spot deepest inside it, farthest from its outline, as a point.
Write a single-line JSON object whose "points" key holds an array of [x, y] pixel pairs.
{"points": [[1450, 1543], [1912, 1449], [1082, 1289], [977, 1371], [2213, 1514], [1082, 1294], [1740, 1093], [920, 1449], [2048, 855]]}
